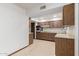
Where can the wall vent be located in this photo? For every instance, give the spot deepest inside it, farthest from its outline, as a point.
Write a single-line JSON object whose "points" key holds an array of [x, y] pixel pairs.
{"points": [[42, 7]]}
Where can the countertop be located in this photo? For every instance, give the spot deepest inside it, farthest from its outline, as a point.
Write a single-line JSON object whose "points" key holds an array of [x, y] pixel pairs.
{"points": [[46, 32], [61, 35], [65, 36]]}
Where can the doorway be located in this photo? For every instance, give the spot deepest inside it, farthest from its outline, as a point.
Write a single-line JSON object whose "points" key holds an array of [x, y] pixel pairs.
{"points": [[33, 29]]}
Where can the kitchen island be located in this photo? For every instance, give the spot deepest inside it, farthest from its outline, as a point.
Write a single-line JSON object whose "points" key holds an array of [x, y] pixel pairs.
{"points": [[64, 45]]}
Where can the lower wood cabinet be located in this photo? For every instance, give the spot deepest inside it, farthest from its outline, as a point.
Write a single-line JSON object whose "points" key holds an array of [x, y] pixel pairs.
{"points": [[64, 47], [45, 36], [30, 38]]}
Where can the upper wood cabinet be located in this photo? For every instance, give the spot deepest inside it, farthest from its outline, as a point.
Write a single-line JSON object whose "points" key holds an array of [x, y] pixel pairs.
{"points": [[44, 24], [52, 24], [56, 24], [68, 14]]}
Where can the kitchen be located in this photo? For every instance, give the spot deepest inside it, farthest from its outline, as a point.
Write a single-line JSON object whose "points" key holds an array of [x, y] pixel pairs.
{"points": [[55, 27]]}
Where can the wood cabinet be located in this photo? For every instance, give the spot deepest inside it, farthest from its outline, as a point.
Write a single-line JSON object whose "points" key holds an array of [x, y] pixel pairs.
{"points": [[30, 38], [52, 36], [45, 36], [42, 35], [68, 14], [56, 24], [64, 47], [43, 24], [38, 35], [51, 24]]}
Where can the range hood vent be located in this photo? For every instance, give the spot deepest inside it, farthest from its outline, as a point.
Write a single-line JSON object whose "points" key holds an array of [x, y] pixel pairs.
{"points": [[43, 7]]}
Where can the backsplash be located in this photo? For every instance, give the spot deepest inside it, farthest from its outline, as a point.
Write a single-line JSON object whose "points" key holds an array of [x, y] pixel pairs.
{"points": [[70, 30], [65, 30], [55, 30]]}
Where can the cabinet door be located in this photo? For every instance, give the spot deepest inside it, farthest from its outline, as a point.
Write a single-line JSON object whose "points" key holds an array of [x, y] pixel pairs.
{"points": [[60, 47], [52, 36], [64, 47], [38, 35], [68, 14], [45, 36], [44, 24], [70, 47], [56, 24], [51, 24]]}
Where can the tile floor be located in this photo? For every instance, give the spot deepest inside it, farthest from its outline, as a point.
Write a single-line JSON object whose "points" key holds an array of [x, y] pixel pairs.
{"points": [[38, 48]]}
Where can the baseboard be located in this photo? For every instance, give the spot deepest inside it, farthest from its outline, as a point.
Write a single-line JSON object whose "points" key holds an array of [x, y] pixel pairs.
{"points": [[18, 50]]}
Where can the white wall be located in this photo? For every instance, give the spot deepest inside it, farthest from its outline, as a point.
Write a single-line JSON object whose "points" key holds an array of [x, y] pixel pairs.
{"points": [[13, 28], [76, 28]]}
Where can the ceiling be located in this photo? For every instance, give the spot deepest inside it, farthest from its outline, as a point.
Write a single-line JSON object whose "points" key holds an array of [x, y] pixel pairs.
{"points": [[30, 5], [51, 17], [33, 9]]}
